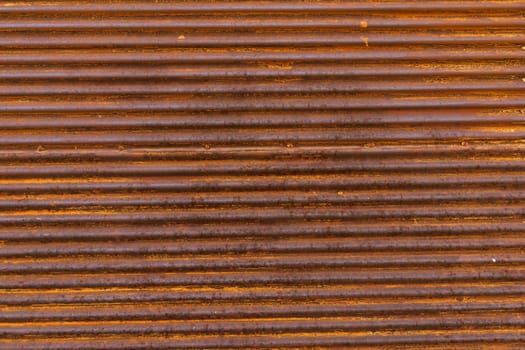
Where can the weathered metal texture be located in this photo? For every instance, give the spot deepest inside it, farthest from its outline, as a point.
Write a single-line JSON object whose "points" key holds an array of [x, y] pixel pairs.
{"points": [[266, 174]]}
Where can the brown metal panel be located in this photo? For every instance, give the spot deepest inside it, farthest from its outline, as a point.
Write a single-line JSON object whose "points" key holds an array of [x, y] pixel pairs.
{"points": [[262, 174]]}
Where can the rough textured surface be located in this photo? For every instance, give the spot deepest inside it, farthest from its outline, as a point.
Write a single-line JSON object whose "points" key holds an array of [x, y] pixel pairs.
{"points": [[266, 174]]}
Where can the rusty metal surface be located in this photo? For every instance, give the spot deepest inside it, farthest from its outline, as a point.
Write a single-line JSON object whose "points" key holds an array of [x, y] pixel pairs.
{"points": [[262, 174]]}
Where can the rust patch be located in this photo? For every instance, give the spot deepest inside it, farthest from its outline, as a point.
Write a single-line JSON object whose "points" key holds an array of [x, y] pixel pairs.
{"points": [[262, 174]]}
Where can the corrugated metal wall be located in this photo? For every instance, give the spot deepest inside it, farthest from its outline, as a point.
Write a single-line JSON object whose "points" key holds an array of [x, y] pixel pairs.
{"points": [[267, 174]]}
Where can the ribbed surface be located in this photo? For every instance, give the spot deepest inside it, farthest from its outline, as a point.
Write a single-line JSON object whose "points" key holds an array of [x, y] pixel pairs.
{"points": [[262, 174]]}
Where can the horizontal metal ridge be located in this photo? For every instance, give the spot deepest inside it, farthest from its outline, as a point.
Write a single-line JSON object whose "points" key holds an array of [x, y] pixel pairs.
{"points": [[266, 119], [224, 310], [269, 55], [254, 21], [230, 86], [171, 230], [496, 338], [264, 277], [274, 39], [249, 244], [176, 293], [261, 167], [208, 262], [239, 326], [262, 6], [444, 71], [259, 101], [289, 136], [263, 198]]}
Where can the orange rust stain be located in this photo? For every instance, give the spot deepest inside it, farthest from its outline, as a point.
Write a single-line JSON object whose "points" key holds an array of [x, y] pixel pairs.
{"points": [[279, 65]]}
